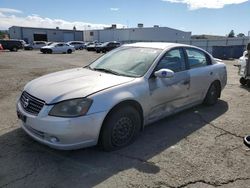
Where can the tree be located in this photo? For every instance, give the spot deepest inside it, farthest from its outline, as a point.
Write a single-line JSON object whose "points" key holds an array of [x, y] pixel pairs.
{"points": [[3, 34], [241, 35], [231, 34]]}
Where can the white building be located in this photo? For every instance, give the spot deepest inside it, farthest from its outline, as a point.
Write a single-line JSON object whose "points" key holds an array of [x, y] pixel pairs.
{"points": [[30, 34], [157, 34], [143, 34]]}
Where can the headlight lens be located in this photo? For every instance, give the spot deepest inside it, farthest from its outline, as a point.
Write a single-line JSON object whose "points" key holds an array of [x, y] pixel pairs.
{"points": [[71, 108]]}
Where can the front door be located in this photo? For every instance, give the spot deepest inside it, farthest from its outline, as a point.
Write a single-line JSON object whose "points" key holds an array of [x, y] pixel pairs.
{"points": [[168, 94]]}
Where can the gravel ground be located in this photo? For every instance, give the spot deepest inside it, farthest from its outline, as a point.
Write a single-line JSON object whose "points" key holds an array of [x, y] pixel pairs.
{"points": [[200, 147]]}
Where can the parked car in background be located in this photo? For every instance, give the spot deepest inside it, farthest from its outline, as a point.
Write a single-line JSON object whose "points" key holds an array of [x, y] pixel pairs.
{"points": [[112, 99], [78, 45], [49, 43], [107, 46], [23, 42], [12, 45], [35, 45], [58, 47], [92, 45]]}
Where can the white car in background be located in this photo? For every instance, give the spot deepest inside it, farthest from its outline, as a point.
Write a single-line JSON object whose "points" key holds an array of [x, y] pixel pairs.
{"points": [[58, 47], [243, 69], [79, 45], [35, 45]]}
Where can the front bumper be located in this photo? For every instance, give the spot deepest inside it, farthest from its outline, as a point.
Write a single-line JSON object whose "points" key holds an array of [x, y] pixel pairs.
{"points": [[62, 133]]}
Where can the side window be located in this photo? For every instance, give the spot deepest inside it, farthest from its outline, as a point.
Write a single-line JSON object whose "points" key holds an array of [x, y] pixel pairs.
{"points": [[197, 58], [173, 60], [60, 45]]}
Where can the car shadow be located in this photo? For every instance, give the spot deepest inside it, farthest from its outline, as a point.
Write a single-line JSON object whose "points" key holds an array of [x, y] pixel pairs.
{"points": [[8, 51], [26, 162]]}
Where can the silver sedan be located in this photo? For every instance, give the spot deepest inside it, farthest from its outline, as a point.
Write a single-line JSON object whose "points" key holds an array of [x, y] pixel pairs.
{"points": [[111, 100]]}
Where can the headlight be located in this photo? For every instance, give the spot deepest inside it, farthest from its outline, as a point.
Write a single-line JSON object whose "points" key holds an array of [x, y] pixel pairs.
{"points": [[71, 108]]}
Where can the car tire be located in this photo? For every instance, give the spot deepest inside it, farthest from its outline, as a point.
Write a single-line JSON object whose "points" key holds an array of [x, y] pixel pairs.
{"points": [[243, 81], [246, 140], [69, 51], [248, 83], [213, 94], [49, 51], [14, 49], [80, 48], [120, 128]]}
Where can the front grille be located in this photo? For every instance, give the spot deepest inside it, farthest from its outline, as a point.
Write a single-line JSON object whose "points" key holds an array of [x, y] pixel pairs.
{"points": [[31, 104]]}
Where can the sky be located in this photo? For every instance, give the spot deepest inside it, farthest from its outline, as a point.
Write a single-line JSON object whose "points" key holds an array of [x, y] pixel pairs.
{"points": [[215, 17]]}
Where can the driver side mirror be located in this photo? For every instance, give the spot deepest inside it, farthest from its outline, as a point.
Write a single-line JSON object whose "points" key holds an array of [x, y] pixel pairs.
{"points": [[164, 73]]}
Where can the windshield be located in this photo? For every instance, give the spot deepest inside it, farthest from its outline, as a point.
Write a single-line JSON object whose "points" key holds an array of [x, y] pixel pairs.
{"points": [[127, 61]]}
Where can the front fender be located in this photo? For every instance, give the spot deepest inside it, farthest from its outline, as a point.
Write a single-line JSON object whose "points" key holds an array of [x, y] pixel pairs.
{"points": [[105, 100]]}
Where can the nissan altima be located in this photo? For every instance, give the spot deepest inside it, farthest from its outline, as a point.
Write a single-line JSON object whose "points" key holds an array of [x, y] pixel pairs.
{"points": [[111, 100]]}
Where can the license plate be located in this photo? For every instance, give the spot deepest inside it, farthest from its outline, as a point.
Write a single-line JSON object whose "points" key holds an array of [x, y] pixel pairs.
{"points": [[21, 116]]}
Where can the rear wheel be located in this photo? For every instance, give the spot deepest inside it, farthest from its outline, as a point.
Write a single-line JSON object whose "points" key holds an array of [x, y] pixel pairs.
{"points": [[213, 94], [69, 51], [120, 128], [243, 81], [248, 83]]}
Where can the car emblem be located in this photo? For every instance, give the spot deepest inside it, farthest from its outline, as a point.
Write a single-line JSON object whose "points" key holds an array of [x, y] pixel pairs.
{"points": [[26, 103]]}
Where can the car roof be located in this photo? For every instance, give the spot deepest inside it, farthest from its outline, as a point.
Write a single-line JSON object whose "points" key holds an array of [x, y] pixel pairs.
{"points": [[158, 45]]}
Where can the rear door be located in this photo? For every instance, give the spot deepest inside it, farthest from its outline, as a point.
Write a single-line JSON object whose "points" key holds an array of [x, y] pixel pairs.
{"points": [[201, 73]]}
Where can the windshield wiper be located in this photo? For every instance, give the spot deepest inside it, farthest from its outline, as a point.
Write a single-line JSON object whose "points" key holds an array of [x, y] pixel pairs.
{"points": [[107, 71]]}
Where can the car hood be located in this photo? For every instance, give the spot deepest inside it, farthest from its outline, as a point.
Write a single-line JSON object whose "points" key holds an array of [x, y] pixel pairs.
{"points": [[73, 83]]}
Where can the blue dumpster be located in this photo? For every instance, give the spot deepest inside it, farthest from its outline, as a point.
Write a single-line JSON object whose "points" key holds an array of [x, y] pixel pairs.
{"points": [[228, 52]]}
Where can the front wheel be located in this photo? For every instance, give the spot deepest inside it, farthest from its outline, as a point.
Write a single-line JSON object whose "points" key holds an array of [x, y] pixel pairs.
{"points": [[14, 49], [213, 94], [248, 83], [69, 51], [120, 128]]}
